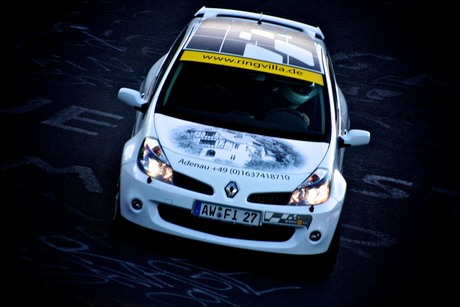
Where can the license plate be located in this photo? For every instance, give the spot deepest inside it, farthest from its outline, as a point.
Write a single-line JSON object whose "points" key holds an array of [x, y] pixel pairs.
{"points": [[226, 214]]}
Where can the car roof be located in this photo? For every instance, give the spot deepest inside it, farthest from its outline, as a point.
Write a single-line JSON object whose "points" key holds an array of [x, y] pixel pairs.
{"points": [[256, 42]]}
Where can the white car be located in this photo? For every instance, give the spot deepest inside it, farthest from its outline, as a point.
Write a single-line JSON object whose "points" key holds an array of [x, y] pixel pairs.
{"points": [[239, 139]]}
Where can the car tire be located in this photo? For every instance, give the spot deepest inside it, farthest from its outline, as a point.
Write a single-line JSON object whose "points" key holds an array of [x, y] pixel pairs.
{"points": [[118, 219], [325, 263]]}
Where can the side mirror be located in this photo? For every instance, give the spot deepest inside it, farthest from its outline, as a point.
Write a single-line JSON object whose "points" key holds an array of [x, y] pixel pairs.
{"points": [[355, 137], [132, 98]]}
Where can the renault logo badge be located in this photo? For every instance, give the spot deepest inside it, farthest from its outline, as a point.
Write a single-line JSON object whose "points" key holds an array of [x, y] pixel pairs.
{"points": [[231, 189]]}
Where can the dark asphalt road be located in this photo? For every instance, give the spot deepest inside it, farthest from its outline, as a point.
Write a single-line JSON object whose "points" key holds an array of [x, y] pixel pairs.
{"points": [[63, 130]]}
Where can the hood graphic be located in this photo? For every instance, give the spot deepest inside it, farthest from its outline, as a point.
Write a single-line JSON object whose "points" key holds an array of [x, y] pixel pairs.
{"points": [[231, 148]]}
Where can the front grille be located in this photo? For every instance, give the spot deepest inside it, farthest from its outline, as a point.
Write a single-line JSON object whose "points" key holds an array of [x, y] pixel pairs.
{"points": [[191, 184], [270, 198], [185, 218]]}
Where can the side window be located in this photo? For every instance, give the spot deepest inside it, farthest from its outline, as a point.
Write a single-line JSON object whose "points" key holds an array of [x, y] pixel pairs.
{"points": [[150, 89], [335, 92]]}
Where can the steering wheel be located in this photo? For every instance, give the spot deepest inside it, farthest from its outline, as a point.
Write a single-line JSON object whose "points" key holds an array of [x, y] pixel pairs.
{"points": [[288, 116]]}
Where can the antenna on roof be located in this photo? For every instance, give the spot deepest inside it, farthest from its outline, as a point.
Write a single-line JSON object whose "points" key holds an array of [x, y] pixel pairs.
{"points": [[260, 18]]}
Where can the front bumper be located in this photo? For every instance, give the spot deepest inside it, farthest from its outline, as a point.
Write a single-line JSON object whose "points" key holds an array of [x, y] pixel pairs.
{"points": [[166, 208]]}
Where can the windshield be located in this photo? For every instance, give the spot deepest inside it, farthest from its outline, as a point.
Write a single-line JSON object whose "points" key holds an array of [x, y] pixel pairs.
{"points": [[245, 100]]}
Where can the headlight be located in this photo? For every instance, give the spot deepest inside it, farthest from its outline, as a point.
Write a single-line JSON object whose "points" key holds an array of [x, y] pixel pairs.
{"points": [[313, 191], [154, 162]]}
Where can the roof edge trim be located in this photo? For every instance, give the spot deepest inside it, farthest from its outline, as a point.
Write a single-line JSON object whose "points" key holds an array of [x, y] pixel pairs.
{"points": [[314, 32]]}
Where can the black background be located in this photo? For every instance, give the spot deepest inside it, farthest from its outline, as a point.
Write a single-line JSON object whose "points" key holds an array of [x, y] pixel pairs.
{"points": [[63, 130]]}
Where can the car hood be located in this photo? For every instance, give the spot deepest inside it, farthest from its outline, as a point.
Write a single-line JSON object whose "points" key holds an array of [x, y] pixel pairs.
{"points": [[203, 151]]}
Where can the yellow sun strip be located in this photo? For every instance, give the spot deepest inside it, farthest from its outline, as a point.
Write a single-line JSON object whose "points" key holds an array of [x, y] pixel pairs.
{"points": [[245, 63]]}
